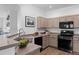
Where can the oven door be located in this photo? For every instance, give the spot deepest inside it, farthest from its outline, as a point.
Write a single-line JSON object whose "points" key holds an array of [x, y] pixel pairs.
{"points": [[64, 44]]}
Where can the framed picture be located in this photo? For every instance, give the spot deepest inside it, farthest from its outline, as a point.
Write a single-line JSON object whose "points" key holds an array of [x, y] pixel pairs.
{"points": [[29, 21]]}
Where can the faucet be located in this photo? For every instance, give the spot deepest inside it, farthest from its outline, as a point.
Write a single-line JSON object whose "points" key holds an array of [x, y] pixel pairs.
{"points": [[21, 31]]}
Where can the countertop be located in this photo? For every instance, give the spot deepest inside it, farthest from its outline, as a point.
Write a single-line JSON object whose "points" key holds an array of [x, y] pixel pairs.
{"points": [[30, 48], [39, 35], [7, 43], [10, 42]]}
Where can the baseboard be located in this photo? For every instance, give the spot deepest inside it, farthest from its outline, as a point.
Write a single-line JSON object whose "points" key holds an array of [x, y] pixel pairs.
{"points": [[47, 47], [43, 48], [52, 47]]}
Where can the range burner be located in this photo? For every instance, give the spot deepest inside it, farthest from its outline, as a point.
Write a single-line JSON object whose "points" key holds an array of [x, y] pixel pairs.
{"points": [[66, 33]]}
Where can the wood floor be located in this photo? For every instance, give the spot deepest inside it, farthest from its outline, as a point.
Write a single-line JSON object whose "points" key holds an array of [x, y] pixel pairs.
{"points": [[54, 51]]}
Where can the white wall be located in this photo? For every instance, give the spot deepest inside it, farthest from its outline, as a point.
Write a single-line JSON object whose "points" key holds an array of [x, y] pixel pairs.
{"points": [[72, 10], [28, 10], [11, 10], [18, 13], [3, 15]]}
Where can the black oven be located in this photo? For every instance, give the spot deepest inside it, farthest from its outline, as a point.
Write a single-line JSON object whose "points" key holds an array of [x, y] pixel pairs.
{"points": [[65, 40], [66, 25]]}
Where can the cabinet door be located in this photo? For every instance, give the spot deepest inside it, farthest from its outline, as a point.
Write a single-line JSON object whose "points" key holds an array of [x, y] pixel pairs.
{"points": [[53, 41], [62, 19], [76, 21], [76, 44], [38, 22], [69, 18], [56, 22], [46, 23], [53, 22], [50, 23], [45, 42], [41, 23]]}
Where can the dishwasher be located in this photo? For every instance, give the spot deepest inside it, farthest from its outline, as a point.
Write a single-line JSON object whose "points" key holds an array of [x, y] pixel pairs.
{"points": [[38, 41]]}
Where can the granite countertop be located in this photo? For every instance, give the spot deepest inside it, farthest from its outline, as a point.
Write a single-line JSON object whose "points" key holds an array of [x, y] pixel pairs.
{"points": [[7, 43], [36, 35], [76, 34], [10, 42], [30, 48]]}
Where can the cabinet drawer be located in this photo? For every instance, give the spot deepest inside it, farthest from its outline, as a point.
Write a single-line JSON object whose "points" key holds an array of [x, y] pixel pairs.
{"points": [[76, 44], [53, 42], [45, 42], [54, 38]]}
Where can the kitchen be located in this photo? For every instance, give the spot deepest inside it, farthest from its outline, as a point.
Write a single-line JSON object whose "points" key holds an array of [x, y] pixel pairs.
{"points": [[52, 28]]}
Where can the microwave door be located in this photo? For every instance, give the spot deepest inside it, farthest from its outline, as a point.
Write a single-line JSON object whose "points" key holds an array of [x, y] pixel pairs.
{"points": [[71, 26], [61, 25], [67, 26]]}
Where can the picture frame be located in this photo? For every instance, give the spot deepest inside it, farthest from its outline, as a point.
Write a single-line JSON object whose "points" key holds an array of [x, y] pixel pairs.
{"points": [[29, 21]]}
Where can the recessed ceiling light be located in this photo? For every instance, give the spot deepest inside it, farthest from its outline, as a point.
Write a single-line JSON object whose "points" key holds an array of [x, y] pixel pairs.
{"points": [[50, 6]]}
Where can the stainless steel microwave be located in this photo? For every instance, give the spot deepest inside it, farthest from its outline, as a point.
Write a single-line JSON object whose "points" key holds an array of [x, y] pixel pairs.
{"points": [[66, 25]]}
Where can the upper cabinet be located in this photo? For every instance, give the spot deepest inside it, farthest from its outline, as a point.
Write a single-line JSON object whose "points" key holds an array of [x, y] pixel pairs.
{"points": [[74, 18], [69, 18], [53, 22], [65, 18], [62, 19], [41, 22], [76, 21], [47, 22]]}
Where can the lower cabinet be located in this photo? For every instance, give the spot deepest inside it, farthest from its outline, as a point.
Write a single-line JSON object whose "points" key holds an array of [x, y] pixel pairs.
{"points": [[76, 44], [45, 41], [53, 41]]}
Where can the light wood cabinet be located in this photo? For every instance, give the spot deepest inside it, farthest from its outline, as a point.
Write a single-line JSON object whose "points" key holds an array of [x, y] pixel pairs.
{"points": [[69, 18], [62, 19], [76, 21], [45, 41], [47, 22], [42, 22], [53, 41], [76, 44], [53, 22], [74, 18], [66, 18]]}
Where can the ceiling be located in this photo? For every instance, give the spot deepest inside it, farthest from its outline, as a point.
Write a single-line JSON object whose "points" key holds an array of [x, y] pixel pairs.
{"points": [[47, 7]]}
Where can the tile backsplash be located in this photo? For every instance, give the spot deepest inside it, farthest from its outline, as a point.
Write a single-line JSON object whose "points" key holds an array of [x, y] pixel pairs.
{"points": [[56, 30], [76, 31]]}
